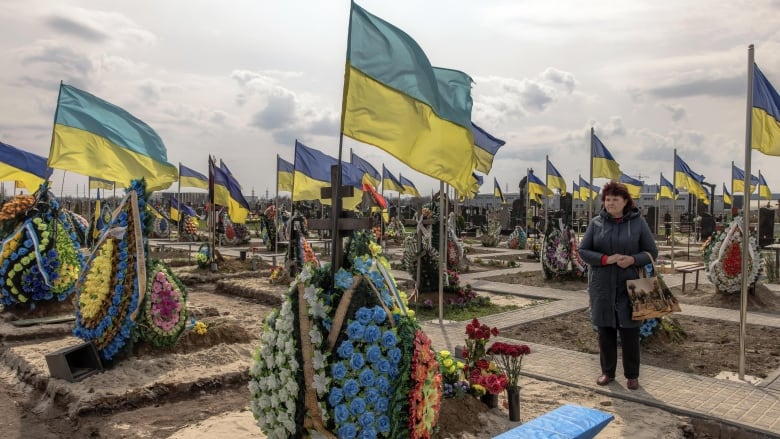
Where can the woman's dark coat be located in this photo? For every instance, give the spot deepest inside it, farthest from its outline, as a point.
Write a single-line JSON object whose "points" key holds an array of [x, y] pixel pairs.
{"points": [[607, 283]]}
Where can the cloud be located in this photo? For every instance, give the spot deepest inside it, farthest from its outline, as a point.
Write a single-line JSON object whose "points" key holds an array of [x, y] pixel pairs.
{"points": [[677, 110], [278, 113], [98, 26], [716, 87], [55, 61], [69, 26]]}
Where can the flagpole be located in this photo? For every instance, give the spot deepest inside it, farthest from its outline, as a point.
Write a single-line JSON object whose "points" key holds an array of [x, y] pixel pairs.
{"points": [[178, 200], [590, 180], [527, 202], [442, 250], [276, 206], [746, 215], [546, 176], [674, 200]]}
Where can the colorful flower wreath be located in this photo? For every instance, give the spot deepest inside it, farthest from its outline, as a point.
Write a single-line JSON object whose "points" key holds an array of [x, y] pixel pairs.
{"points": [[724, 267], [517, 239], [163, 316]]}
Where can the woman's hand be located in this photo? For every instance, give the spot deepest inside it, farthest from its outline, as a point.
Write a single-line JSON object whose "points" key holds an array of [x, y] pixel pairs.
{"points": [[625, 261]]}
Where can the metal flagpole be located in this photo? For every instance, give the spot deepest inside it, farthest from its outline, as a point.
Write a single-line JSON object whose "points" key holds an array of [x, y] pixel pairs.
{"points": [[674, 200], [590, 180], [547, 207], [442, 250], [746, 216], [276, 208], [179, 201]]}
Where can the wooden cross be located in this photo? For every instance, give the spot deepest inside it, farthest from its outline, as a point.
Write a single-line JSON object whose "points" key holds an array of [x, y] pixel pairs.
{"points": [[337, 222]]}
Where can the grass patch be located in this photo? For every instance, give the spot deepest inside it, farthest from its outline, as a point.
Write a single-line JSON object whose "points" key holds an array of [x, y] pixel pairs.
{"points": [[461, 313]]}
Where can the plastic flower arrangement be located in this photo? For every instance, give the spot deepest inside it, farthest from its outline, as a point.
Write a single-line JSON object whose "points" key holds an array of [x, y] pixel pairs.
{"points": [[451, 370], [724, 259], [163, 315], [349, 359], [477, 336], [200, 328], [559, 254], [510, 360], [666, 325], [517, 239]]}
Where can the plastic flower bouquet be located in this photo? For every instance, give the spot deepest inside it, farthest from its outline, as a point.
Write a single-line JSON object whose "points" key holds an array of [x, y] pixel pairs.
{"points": [[509, 358]]}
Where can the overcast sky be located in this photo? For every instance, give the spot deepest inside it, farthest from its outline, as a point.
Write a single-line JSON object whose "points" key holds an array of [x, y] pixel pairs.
{"points": [[243, 79]]}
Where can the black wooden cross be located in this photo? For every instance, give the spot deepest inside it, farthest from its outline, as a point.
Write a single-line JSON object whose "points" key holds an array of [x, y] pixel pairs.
{"points": [[339, 226]]}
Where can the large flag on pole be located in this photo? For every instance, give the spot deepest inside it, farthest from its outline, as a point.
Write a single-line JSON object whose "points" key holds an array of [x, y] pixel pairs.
{"points": [[727, 196], [537, 188], [604, 165], [18, 165], [485, 148], [370, 172], [96, 138], [191, 178], [666, 189], [497, 191], [284, 174], [312, 173], [99, 183], [409, 187], [575, 191], [738, 180], [588, 191], [687, 179], [765, 126], [389, 182], [633, 185], [393, 101], [763, 188], [227, 192], [554, 178]]}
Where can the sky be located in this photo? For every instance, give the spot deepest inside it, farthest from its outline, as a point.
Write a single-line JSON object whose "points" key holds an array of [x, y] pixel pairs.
{"points": [[243, 79]]}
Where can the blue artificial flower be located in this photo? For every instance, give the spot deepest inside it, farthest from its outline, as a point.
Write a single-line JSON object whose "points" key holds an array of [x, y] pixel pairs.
{"points": [[372, 334], [372, 395], [382, 384], [368, 433], [327, 323], [395, 355], [389, 339], [373, 354], [341, 413], [355, 331], [393, 371], [347, 431], [367, 378], [339, 371], [383, 366], [377, 279], [335, 396], [364, 315], [343, 279], [357, 406], [367, 421], [381, 405], [351, 388], [345, 350], [379, 315], [383, 424], [357, 362], [362, 264]]}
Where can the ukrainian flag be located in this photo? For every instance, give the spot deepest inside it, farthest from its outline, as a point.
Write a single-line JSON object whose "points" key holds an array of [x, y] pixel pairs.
{"points": [[537, 189], [192, 178], [575, 191], [485, 148], [687, 179], [554, 178], [284, 174], [763, 188], [393, 101], [666, 189], [497, 191], [765, 124], [227, 192], [587, 191], [25, 167], [633, 185], [727, 196], [95, 138], [99, 183], [389, 182], [176, 209], [312, 173], [604, 165], [409, 187], [738, 180], [370, 173]]}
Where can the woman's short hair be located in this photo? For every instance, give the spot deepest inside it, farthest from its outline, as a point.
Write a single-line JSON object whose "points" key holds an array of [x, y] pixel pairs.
{"points": [[617, 189]]}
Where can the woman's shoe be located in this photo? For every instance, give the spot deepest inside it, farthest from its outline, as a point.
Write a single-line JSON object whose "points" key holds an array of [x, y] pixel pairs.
{"points": [[632, 383], [604, 380]]}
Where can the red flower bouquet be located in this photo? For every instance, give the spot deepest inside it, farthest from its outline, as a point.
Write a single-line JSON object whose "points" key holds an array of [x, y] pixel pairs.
{"points": [[509, 358]]}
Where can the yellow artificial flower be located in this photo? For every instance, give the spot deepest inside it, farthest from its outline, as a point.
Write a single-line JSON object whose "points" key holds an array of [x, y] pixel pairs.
{"points": [[200, 328], [452, 369], [492, 366], [459, 365], [479, 390], [447, 362], [445, 354], [374, 248]]}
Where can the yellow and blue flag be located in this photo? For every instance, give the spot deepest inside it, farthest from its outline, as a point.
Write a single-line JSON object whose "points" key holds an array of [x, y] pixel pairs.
{"points": [[727, 196], [227, 192], [393, 101], [485, 148], [666, 189], [588, 191], [284, 174], [178, 208], [96, 138], [312, 173], [604, 165], [575, 191], [409, 187], [763, 188], [389, 182], [191, 178], [537, 188], [633, 185], [554, 178], [738, 180], [99, 183], [765, 124], [371, 175], [25, 167], [685, 178], [497, 191]]}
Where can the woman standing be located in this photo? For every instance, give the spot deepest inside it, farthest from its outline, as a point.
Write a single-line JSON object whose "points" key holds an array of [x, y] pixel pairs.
{"points": [[614, 246]]}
